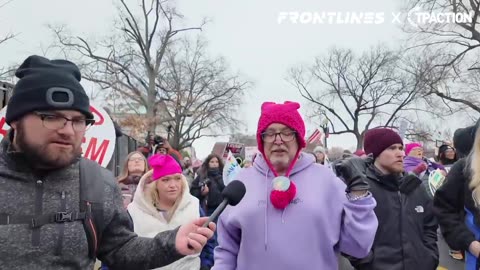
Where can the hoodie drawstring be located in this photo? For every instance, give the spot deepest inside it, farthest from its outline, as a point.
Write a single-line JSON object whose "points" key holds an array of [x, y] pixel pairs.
{"points": [[266, 209]]}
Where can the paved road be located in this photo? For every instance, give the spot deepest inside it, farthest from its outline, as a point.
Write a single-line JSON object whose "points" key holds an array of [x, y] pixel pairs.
{"points": [[446, 262]]}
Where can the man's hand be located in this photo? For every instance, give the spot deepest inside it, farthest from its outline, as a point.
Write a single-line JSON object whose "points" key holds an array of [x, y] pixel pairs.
{"points": [[192, 237], [474, 248]]}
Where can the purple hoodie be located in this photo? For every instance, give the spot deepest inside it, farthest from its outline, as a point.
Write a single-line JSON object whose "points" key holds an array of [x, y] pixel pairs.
{"points": [[318, 224], [410, 163]]}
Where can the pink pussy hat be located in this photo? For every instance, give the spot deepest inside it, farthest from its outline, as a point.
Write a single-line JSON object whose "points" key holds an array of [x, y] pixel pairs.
{"points": [[163, 165]]}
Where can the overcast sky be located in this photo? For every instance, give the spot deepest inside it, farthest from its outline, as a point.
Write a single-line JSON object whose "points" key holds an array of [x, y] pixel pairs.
{"points": [[246, 33]]}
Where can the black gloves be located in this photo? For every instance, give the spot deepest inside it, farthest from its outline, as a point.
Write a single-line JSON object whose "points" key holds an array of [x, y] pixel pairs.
{"points": [[352, 171]]}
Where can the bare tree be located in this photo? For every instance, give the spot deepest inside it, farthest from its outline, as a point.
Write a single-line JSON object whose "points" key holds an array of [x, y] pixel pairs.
{"points": [[355, 93], [6, 72], [419, 132], [6, 37], [203, 96], [450, 49], [9, 35], [129, 61]]}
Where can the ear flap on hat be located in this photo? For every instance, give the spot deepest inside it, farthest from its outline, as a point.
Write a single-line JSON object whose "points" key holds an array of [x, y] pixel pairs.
{"points": [[156, 161], [267, 104], [292, 105]]}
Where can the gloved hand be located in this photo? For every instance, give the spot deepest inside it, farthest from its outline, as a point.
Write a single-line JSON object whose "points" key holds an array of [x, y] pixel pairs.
{"points": [[420, 168], [352, 171]]}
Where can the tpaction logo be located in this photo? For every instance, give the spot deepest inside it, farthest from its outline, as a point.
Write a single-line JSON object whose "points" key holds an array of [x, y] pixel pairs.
{"points": [[415, 17]]}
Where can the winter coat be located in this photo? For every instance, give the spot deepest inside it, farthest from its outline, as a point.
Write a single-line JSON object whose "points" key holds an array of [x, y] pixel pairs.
{"points": [[148, 221], [215, 185], [22, 187], [407, 230], [449, 203]]}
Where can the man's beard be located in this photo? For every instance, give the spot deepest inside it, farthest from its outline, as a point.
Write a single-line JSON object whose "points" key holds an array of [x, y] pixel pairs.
{"points": [[42, 157]]}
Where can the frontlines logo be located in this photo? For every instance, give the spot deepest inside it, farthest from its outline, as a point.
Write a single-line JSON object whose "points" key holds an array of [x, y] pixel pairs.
{"points": [[296, 17], [415, 17]]}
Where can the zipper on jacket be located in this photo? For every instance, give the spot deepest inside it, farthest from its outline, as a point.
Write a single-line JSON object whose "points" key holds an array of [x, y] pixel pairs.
{"points": [[38, 211], [401, 228], [92, 227], [61, 226]]}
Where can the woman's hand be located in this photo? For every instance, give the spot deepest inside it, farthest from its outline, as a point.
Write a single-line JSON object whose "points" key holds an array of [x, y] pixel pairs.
{"points": [[205, 190]]}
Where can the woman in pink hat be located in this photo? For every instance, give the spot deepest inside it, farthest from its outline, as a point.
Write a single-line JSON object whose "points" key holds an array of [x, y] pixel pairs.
{"points": [[415, 158], [163, 202]]}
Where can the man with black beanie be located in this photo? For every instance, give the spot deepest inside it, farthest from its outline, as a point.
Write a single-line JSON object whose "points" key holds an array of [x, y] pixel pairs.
{"points": [[49, 218], [406, 235]]}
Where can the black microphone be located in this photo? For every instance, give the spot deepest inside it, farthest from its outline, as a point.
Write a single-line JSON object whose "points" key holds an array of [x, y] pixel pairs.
{"points": [[232, 195]]}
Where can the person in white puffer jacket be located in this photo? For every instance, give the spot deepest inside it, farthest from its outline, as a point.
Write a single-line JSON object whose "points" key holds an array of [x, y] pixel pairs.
{"points": [[163, 202]]}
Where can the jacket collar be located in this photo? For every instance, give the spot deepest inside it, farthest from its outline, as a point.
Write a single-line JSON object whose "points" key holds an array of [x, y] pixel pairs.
{"points": [[15, 160], [390, 181]]}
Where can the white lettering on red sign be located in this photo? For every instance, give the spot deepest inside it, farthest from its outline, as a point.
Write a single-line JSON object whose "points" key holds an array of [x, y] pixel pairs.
{"points": [[94, 153]]}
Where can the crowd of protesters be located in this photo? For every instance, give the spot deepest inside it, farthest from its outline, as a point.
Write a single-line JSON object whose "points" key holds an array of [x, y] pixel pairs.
{"points": [[380, 207]]}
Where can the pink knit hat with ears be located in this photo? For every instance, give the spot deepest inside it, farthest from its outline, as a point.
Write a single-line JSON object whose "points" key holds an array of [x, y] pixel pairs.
{"points": [[163, 165], [409, 147], [287, 114]]}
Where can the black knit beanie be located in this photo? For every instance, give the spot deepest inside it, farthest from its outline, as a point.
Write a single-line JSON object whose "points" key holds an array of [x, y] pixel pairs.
{"points": [[47, 85], [463, 139]]}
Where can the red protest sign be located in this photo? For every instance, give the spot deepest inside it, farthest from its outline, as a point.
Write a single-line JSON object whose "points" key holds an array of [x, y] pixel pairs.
{"points": [[99, 141], [3, 127]]}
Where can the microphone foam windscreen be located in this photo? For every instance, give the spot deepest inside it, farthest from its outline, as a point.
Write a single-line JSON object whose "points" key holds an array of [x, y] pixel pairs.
{"points": [[234, 192]]}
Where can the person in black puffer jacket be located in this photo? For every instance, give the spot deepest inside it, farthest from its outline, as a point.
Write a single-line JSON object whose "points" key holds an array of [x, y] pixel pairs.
{"points": [[208, 185], [454, 198], [407, 231]]}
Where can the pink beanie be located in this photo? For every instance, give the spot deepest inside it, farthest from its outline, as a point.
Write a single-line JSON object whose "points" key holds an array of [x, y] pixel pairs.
{"points": [[409, 147], [359, 153], [287, 114], [163, 165]]}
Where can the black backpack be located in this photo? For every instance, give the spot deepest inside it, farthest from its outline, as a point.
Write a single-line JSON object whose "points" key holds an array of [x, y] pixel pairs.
{"points": [[92, 188]]}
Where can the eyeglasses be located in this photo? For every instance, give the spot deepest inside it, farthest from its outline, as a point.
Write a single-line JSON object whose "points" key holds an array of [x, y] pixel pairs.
{"points": [[56, 122], [285, 136], [135, 159]]}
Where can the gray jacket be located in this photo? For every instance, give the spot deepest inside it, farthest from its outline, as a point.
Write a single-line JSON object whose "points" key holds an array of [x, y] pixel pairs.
{"points": [[24, 248]]}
